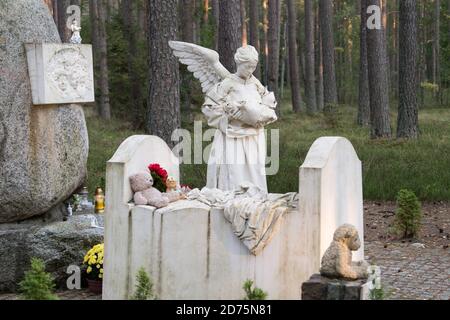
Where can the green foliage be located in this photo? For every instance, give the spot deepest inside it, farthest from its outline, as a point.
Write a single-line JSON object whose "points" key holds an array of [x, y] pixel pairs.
{"points": [[37, 284], [253, 293], [408, 215], [429, 86], [144, 286], [388, 166], [158, 183], [119, 80], [104, 139], [378, 294], [332, 115]]}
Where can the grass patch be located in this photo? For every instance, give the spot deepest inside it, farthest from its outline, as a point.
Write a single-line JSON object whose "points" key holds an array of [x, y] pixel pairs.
{"points": [[104, 139], [388, 165]]}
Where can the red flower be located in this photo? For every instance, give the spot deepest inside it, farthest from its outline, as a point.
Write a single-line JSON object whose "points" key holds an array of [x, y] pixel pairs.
{"points": [[154, 167], [159, 176], [157, 169]]}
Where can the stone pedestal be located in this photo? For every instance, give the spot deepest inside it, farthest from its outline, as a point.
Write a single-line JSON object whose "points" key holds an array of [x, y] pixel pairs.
{"points": [[58, 243], [322, 288]]}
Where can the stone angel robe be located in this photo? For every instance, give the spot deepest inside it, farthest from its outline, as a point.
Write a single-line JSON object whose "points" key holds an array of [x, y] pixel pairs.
{"points": [[238, 152]]}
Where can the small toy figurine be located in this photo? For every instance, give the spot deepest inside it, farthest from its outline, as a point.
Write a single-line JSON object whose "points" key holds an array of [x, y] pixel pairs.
{"points": [[145, 194], [76, 38], [171, 184]]}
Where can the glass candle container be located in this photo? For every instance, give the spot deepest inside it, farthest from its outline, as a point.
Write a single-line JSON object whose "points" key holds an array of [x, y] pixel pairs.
{"points": [[99, 199], [84, 201]]}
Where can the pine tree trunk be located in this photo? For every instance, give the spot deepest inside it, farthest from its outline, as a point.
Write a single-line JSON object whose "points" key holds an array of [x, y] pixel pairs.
{"points": [[408, 121], [319, 64], [284, 60], [130, 36], [93, 18], [64, 32], [187, 20], [244, 22], [215, 8], [301, 59], [196, 4], [378, 80], [266, 41], [230, 32], [104, 106], [309, 58], [293, 60], [273, 40], [163, 113], [384, 15], [364, 97], [329, 73], [187, 8], [254, 31], [143, 20], [55, 11], [394, 56], [436, 48], [423, 56], [205, 11]]}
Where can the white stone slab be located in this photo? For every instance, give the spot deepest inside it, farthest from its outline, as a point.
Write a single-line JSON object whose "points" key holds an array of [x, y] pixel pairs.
{"points": [[330, 190], [132, 156], [60, 73], [191, 252]]}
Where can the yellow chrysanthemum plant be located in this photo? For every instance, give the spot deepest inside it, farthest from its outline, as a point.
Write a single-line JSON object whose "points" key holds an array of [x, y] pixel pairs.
{"points": [[93, 260]]}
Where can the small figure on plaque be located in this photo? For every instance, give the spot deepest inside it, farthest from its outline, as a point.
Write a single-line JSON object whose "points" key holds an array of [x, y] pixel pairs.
{"points": [[76, 38]]}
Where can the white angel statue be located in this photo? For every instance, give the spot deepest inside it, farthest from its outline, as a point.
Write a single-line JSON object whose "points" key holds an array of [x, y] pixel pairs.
{"points": [[239, 106], [76, 38]]}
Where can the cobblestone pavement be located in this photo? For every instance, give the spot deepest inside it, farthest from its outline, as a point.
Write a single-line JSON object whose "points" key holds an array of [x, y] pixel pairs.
{"points": [[82, 294], [410, 272], [415, 268]]}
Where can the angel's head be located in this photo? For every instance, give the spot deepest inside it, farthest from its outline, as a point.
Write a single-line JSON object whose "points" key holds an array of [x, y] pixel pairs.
{"points": [[246, 61]]}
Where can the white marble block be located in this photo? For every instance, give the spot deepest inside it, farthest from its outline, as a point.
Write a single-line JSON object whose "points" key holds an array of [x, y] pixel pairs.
{"points": [[191, 252], [132, 156], [331, 194], [189, 249], [60, 73]]}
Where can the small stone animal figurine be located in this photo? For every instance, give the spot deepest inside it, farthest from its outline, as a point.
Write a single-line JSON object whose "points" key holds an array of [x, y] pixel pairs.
{"points": [[146, 194], [337, 260]]}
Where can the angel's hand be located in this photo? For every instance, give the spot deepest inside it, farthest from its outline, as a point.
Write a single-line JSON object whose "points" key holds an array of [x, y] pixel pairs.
{"points": [[237, 114]]}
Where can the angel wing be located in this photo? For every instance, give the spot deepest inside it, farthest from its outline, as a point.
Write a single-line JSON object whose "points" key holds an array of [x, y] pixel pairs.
{"points": [[202, 62]]}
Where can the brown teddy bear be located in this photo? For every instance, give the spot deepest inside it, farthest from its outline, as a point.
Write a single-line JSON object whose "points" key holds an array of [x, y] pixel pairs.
{"points": [[145, 194]]}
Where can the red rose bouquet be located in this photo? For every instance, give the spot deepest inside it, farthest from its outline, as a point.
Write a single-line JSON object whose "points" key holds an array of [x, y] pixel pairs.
{"points": [[159, 176]]}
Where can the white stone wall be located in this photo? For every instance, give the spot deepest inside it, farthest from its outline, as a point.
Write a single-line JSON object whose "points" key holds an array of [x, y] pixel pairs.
{"points": [[331, 191], [132, 156], [190, 250]]}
